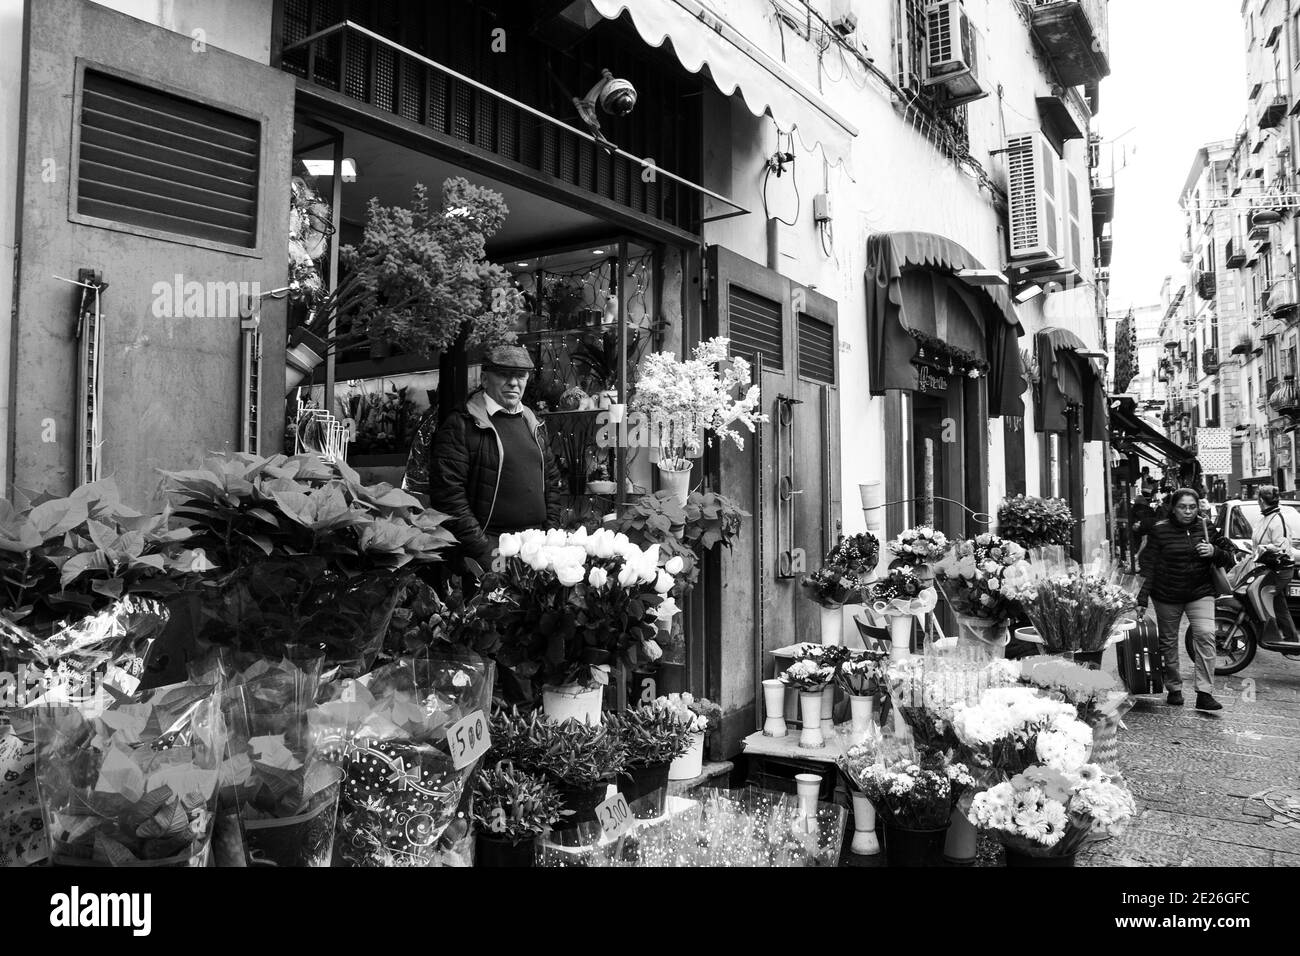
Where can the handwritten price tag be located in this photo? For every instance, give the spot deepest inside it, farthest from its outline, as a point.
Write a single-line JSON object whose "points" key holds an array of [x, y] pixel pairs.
{"points": [[615, 816], [468, 739]]}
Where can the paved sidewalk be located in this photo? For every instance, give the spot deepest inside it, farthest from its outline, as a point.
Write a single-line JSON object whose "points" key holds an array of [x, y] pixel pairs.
{"points": [[1220, 789]]}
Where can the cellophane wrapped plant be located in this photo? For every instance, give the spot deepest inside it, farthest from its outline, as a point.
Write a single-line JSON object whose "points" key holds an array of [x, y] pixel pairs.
{"points": [[305, 554], [928, 688], [387, 731], [919, 545], [513, 805], [1033, 522], [569, 605], [901, 592], [1074, 607], [1046, 811], [132, 784], [651, 735], [843, 577], [1096, 695], [913, 790], [685, 398], [975, 577], [1010, 729]]}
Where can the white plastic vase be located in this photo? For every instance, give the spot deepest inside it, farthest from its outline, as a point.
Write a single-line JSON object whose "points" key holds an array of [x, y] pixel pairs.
{"points": [[565, 701], [862, 716], [900, 635], [677, 482], [808, 786], [690, 764], [865, 842], [810, 712], [774, 701], [828, 710], [832, 626]]}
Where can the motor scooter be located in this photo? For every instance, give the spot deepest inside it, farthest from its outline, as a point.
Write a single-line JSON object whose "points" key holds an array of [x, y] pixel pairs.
{"points": [[1245, 621]]}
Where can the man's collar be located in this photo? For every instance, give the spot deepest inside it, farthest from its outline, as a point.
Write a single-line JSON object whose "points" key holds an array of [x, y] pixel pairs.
{"points": [[493, 406]]}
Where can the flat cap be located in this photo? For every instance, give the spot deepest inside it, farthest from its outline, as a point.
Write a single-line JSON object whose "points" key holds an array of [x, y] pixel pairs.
{"points": [[508, 358]]}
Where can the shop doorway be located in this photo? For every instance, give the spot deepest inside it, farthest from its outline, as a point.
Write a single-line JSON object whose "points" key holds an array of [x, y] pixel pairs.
{"points": [[938, 462]]}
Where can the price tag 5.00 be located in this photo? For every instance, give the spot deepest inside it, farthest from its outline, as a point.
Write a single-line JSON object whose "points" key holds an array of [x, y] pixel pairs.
{"points": [[615, 816], [468, 739]]}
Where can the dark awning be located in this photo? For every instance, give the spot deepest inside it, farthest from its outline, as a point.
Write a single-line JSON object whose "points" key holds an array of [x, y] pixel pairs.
{"points": [[1067, 379], [1127, 428], [912, 286]]}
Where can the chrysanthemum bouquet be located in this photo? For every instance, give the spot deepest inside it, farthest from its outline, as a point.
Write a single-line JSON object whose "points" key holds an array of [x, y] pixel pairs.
{"points": [[918, 793], [684, 398], [919, 545], [1013, 728], [807, 675], [1045, 811]]}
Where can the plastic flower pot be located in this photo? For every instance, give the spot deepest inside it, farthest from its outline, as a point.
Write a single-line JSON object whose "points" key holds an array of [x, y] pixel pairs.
{"points": [[677, 482], [832, 626], [572, 701], [810, 709], [569, 831], [906, 846], [645, 789], [306, 839], [690, 764], [496, 851], [774, 701]]}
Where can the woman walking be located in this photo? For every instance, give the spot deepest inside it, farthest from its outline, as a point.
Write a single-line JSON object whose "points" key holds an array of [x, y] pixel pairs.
{"points": [[1176, 563], [1273, 529]]}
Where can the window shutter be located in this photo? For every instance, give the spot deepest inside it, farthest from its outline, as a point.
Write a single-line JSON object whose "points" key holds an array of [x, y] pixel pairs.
{"points": [[755, 327], [816, 350]]}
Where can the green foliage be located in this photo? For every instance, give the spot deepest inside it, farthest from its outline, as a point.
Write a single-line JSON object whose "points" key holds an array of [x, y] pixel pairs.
{"points": [[707, 520], [514, 804], [426, 270], [1036, 522], [62, 559], [571, 754], [650, 735]]}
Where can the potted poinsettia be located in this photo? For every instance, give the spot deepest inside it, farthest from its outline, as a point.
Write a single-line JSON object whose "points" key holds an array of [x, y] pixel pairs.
{"points": [[568, 607], [685, 398]]}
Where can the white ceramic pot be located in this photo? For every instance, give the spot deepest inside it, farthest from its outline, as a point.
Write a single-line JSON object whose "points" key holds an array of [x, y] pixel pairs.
{"points": [[865, 842], [900, 635], [678, 482], [808, 785], [774, 701], [862, 715], [828, 710], [572, 701], [810, 712], [832, 626], [690, 764]]}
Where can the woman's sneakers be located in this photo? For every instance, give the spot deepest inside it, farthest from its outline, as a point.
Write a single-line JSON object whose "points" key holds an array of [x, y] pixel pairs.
{"points": [[1206, 702], [1175, 698]]}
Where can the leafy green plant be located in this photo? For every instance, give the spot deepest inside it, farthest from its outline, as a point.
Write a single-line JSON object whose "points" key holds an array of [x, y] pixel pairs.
{"points": [[514, 805], [707, 520], [306, 553], [1036, 522], [570, 754], [62, 559], [650, 735]]}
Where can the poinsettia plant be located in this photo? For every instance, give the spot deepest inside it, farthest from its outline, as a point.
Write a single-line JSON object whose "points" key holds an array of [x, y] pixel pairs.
{"points": [[306, 553]]}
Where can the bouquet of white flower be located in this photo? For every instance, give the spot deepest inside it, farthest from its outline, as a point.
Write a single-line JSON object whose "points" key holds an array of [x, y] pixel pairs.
{"points": [[1045, 811], [807, 675], [1013, 728], [919, 545]]}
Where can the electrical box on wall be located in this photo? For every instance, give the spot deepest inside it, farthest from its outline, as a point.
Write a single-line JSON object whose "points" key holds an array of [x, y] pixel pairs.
{"points": [[822, 207]]}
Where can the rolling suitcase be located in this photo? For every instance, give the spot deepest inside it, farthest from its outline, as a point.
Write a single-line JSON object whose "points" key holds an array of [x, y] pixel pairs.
{"points": [[1141, 666]]}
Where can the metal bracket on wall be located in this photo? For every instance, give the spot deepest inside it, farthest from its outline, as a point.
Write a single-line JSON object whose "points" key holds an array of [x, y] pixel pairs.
{"points": [[791, 561], [88, 333]]}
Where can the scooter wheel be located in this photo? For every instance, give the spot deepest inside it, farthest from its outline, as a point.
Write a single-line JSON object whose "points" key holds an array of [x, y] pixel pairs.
{"points": [[1234, 645]]}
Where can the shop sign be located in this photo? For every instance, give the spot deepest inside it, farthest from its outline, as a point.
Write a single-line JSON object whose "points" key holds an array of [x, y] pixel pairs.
{"points": [[1214, 449], [928, 381]]}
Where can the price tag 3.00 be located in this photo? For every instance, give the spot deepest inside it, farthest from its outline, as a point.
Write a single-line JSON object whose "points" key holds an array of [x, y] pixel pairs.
{"points": [[615, 816], [468, 739]]}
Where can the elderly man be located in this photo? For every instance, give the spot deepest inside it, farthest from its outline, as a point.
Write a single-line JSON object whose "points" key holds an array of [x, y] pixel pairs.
{"points": [[489, 466]]}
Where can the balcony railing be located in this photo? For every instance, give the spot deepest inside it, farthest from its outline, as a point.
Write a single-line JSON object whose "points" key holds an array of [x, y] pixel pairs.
{"points": [[1272, 106], [1282, 296], [1076, 36], [1210, 361], [1285, 399], [1234, 254]]}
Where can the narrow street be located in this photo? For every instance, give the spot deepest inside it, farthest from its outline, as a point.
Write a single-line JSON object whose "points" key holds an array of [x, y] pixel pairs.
{"points": [[1219, 789]]}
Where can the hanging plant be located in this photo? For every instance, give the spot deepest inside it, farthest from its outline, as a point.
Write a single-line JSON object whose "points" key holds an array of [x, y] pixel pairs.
{"points": [[937, 353]]}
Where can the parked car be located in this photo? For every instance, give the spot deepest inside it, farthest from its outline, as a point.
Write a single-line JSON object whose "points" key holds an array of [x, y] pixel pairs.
{"points": [[1237, 520]]}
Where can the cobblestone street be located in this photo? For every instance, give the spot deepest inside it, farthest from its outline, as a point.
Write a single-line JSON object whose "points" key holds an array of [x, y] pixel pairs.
{"points": [[1220, 789]]}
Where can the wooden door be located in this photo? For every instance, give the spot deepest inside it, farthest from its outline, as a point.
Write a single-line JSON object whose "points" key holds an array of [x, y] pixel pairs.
{"points": [[787, 477]]}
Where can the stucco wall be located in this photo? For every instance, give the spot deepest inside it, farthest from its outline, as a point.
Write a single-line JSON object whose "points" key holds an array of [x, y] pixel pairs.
{"points": [[171, 385], [239, 26]]}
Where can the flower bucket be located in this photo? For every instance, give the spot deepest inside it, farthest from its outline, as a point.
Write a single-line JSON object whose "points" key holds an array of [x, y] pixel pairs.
{"points": [[990, 637], [865, 842], [960, 847], [494, 851], [774, 701], [810, 710], [677, 482], [690, 764], [1016, 858], [645, 789], [900, 635], [832, 626], [572, 701], [862, 716], [578, 828], [905, 846]]}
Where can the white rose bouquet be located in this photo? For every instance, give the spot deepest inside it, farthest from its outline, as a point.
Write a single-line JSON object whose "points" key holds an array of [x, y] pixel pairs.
{"points": [[919, 545]]}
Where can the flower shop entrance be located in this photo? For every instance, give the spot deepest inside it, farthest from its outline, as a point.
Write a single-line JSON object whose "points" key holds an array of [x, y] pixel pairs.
{"points": [[787, 476]]}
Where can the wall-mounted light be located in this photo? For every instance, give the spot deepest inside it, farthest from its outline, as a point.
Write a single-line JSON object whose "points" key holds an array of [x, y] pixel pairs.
{"points": [[325, 167], [1026, 292], [981, 276]]}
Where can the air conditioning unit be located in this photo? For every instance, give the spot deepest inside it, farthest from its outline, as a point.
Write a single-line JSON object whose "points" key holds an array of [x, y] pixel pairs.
{"points": [[952, 45], [1033, 198]]}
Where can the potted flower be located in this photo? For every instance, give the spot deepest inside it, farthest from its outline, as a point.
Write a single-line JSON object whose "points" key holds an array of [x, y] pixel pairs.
{"points": [[1097, 698], [915, 798], [901, 597], [810, 678], [855, 763], [512, 808], [842, 579], [652, 737], [698, 715], [1044, 814], [579, 759], [1036, 522], [568, 606], [973, 577], [862, 679], [1012, 728], [832, 657], [683, 399]]}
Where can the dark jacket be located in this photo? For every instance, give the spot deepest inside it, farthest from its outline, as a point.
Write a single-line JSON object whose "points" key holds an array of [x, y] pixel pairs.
{"points": [[460, 470], [1172, 571]]}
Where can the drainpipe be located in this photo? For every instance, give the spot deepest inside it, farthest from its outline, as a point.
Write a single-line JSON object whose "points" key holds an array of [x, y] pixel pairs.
{"points": [[1295, 144]]}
